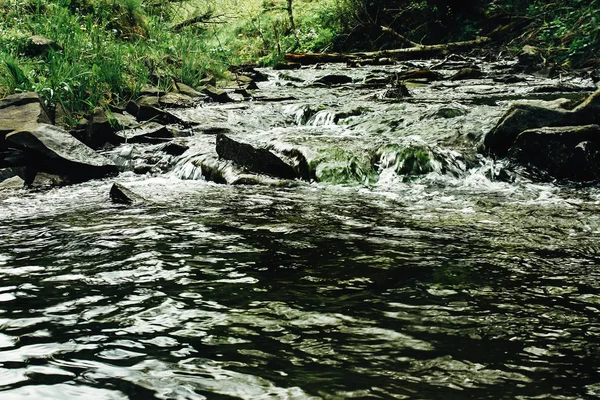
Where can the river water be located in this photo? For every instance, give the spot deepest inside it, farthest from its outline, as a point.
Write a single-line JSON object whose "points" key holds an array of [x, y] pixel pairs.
{"points": [[408, 268]]}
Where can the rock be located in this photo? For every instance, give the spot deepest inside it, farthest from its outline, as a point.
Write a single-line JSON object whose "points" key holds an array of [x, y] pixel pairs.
{"points": [[12, 183], [418, 74], [20, 109], [333, 79], [280, 66], [509, 79], [150, 132], [182, 88], [256, 160], [101, 129], [50, 149], [217, 95], [176, 100], [39, 45], [566, 152], [174, 149], [450, 111], [397, 92], [530, 57], [152, 91], [120, 194], [521, 117], [147, 108], [467, 73], [45, 181], [10, 172], [12, 158]]}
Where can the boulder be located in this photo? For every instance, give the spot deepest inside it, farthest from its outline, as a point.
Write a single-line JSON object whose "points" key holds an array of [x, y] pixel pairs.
{"points": [[566, 152], [20, 109], [521, 117], [120, 194], [334, 79], [252, 159], [50, 149]]}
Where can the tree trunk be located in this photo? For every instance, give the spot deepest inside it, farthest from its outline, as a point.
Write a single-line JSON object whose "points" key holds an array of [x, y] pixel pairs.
{"points": [[411, 53]]}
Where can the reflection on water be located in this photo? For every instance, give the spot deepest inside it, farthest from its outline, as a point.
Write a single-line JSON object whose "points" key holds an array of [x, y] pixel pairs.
{"points": [[326, 293], [449, 286]]}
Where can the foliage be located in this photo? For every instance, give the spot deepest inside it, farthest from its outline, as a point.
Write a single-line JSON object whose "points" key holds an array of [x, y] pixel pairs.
{"points": [[107, 51]]}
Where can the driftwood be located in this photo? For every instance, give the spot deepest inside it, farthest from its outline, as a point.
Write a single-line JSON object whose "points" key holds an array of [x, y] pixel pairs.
{"points": [[410, 53]]}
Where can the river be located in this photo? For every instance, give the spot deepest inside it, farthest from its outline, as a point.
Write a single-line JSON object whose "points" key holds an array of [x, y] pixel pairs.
{"points": [[408, 268]]}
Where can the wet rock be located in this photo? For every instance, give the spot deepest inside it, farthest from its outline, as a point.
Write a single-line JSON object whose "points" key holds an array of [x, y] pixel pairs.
{"points": [[217, 95], [334, 79], [418, 74], [451, 111], [13, 183], [286, 66], [467, 73], [522, 117], [567, 152], [212, 169], [21, 109], [50, 149], [148, 108], [173, 148], [38, 45], [43, 181], [396, 92], [253, 159], [509, 79], [11, 172], [150, 132], [530, 57], [120, 194]]}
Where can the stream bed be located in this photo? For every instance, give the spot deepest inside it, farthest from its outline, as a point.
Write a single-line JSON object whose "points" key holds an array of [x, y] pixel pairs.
{"points": [[407, 267]]}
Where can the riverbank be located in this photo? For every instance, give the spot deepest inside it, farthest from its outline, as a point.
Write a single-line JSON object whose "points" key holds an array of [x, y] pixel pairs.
{"points": [[78, 55]]}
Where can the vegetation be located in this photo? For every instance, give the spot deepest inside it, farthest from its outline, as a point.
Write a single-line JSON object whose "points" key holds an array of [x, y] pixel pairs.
{"points": [[105, 51]]}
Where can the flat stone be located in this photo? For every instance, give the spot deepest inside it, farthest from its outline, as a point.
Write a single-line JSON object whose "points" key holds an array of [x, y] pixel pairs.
{"points": [[51, 149]]}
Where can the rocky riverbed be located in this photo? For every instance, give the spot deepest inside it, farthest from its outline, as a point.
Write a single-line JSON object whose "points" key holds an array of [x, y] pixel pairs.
{"points": [[405, 258]]}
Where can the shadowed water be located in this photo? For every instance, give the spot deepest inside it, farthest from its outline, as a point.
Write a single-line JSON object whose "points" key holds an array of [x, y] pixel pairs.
{"points": [[447, 286]]}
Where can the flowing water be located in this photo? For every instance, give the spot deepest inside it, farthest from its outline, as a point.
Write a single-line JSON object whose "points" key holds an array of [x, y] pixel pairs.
{"points": [[408, 267]]}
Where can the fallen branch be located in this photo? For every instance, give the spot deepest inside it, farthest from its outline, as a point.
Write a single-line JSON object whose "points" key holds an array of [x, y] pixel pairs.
{"points": [[411, 53], [200, 19], [399, 36]]}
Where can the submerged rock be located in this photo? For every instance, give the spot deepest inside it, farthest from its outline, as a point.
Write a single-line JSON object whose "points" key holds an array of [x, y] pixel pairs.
{"points": [[120, 194], [567, 152], [334, 79], [261, 161], [50, 149]]}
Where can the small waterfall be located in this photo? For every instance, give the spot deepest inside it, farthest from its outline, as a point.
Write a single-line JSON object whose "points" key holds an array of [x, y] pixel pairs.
{"points": [[323, 118]]}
